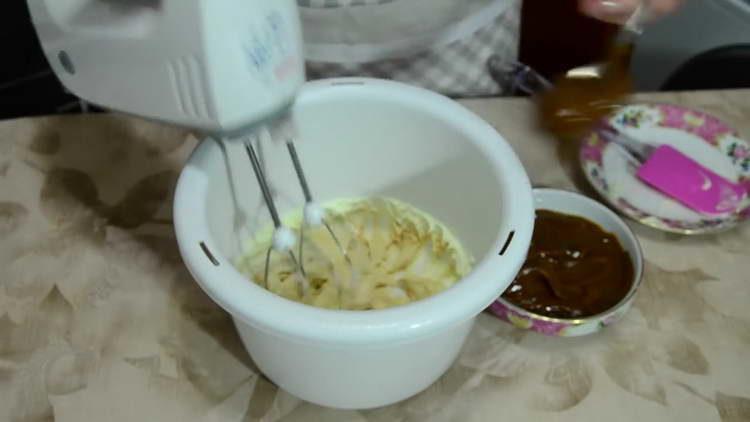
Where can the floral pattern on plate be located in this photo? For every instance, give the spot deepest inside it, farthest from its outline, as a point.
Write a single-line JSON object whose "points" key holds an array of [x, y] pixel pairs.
{"points": [[555, 327], [738, 150], [708, 128]]}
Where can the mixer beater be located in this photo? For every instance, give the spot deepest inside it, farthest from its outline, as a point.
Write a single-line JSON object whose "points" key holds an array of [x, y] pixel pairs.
{"points": [[314, 215], [283, 238]]}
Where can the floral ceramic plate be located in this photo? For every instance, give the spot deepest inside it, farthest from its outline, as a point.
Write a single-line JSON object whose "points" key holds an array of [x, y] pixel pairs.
{"points": [[704, 138]]}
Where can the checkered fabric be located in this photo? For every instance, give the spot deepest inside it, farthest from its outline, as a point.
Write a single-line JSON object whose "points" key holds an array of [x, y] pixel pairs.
{"points": [[458, 69]]}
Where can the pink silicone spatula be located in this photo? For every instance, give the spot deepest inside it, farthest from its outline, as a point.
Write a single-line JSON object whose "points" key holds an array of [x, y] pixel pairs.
{"points": [[680, 177]]}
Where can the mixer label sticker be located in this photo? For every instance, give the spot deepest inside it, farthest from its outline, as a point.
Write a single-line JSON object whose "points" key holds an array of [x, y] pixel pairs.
{"points": [[269, 53]]}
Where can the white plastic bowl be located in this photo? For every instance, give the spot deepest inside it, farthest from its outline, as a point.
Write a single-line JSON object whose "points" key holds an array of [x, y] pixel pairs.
{"points": [[361, 137]]}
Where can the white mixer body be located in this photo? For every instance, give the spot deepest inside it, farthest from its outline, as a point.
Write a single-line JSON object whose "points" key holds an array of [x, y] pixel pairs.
{"points": [[213, 65]]}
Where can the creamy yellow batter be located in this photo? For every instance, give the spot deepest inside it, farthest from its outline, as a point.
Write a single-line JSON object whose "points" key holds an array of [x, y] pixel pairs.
{"points": [[396, 254]]}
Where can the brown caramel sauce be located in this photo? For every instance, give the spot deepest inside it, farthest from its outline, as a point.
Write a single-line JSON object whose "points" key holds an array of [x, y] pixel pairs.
{"points": [[574, 269]]}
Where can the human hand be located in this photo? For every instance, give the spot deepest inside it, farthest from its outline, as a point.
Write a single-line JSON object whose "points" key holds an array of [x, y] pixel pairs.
{"points": [[618, 11]]}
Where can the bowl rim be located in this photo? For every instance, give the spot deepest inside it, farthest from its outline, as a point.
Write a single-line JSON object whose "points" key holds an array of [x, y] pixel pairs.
{"points": [[637, 260], [273, 314]]}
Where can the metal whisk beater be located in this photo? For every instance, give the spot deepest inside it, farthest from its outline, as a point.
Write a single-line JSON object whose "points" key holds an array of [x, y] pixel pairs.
{"points": [[313, 214], [283, 238]]}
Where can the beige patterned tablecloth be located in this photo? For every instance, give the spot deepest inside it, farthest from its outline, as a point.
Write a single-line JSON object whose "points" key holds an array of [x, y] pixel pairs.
{"points": [[99, 320]]}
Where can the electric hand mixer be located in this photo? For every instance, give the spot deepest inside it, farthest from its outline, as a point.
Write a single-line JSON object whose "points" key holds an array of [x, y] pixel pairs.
{"points": [[229, 68]]}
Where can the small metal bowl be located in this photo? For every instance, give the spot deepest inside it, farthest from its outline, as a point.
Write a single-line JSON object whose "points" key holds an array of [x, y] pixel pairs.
{"points": [[576, 204]]}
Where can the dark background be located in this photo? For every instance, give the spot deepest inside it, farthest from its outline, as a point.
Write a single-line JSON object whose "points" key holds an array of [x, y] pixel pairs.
{"points": [[27, 85]]}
